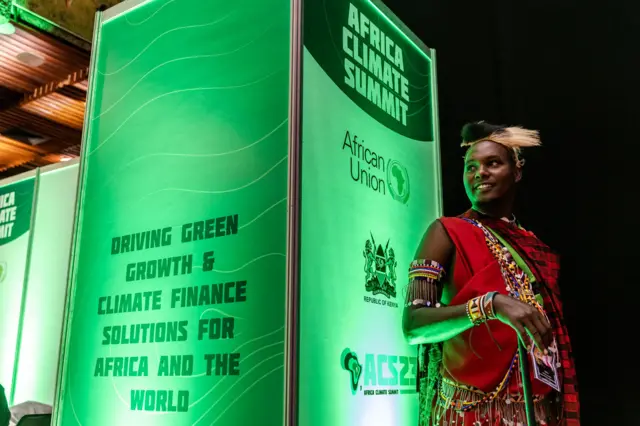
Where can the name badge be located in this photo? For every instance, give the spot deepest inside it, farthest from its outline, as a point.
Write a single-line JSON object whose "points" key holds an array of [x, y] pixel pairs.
{"points": [[545, 366]]}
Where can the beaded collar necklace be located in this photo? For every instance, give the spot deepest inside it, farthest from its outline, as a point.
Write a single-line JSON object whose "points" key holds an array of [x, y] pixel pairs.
{"points": [[512, 221]]}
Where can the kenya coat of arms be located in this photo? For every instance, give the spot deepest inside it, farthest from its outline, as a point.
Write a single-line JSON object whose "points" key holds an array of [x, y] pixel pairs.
{"points": [[380, 268]]}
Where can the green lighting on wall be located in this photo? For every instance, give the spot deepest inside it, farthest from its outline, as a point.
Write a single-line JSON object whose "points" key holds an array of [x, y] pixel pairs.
{"points": [[6, 27]]}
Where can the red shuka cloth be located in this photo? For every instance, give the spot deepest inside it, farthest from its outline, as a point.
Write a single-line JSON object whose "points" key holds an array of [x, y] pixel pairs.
{"points": [[472, 357]]}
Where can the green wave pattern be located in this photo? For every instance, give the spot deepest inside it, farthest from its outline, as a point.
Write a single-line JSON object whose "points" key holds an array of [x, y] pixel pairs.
{"points": [[190, 122]]}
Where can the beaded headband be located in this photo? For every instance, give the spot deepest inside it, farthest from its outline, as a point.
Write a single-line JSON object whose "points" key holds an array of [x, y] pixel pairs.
{"points": [[513, 138]]}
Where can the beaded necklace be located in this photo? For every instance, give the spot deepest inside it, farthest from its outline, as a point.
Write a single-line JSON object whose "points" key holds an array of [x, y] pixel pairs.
{"points": [[516, 280]]}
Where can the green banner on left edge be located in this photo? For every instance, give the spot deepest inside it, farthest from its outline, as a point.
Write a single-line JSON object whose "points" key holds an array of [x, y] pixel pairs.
{"points": [[16, 201]]}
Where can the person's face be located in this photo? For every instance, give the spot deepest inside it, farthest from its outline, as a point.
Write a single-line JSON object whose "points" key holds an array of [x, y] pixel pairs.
{"points": [[489, 172]]}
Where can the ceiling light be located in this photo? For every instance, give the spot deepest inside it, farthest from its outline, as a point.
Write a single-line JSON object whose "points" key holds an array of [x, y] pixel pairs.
{"points": [[30, 59], [6, 27]]}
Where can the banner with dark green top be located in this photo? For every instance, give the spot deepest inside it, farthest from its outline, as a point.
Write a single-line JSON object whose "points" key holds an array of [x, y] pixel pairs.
{"points": [[16, 203], [373, 63], [370, 187], [176, 314]]}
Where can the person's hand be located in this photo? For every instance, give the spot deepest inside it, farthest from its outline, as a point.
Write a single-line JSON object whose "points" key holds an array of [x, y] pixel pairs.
{"points": [[525, 319]]}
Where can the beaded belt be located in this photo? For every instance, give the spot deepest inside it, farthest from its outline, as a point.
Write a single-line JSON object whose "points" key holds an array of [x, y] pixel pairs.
{"points": [[449, 389]]}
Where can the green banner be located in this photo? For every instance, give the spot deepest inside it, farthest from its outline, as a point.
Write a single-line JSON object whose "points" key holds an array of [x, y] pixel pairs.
{"points": [[370, 186], [46, 286], [16, 201], [178, 286]]}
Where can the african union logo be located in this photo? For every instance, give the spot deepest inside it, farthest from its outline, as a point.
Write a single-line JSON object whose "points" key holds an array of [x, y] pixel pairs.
{"points": [[3, 271], [370, 169], [398, 181], [349, 362], [380, 268]]}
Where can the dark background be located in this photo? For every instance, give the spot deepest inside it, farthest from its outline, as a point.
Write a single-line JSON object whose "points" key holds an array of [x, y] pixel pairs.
{"points": [[564, 68]]}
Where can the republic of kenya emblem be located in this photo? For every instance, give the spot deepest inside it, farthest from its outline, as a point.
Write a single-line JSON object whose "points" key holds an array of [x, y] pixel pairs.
{"points": [[380, 268]]}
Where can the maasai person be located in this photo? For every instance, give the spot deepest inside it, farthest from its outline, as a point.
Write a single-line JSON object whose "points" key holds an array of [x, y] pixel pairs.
{"points": [[479, 283]]}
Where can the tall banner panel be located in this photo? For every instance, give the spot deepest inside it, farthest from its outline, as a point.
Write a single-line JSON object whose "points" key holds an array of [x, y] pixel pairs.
{"points": [[46, 286], [176, 314], [370, 186], [16, 204]]}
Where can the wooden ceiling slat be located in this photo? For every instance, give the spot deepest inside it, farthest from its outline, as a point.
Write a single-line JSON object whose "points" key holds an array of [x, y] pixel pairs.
{"points": [[33, 162], [38, 101], [46, 72], [84, 85], [19, 118], [55, 107], [60, 59], [47, 43], [12, 83], [16, 146], [72, 92], [18, 70], [56, 111], [51, 62], [63, 87], [15, 153]]}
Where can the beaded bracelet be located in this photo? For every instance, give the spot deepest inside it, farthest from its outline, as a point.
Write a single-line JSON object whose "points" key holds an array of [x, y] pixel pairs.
{"points": [[424, 276], [480, 309], [488, 305], [426, 269], [475, 311]]}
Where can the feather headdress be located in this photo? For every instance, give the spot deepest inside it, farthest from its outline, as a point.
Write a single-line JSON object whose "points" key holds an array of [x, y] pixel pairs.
{"points": [[513, 138]]}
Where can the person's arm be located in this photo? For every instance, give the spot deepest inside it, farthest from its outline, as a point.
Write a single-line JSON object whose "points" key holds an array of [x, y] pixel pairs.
{"points": [[423, 325]]}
